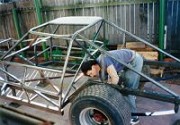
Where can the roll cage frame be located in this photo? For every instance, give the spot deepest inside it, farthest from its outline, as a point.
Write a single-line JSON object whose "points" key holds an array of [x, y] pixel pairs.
{"points": [[59, 96]]}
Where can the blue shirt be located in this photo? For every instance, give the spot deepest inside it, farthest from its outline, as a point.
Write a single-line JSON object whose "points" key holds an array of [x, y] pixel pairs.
{"points": [[125, 55]]}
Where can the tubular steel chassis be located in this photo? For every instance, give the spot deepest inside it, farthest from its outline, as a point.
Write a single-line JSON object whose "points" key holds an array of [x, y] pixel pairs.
{"points": [[24, 87]]}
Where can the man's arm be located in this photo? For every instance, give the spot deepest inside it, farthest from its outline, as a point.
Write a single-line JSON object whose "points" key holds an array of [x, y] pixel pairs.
{"points": [[114, 78]]}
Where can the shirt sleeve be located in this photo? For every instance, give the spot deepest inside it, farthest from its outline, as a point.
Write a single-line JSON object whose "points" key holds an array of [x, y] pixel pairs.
{"points": [[114, 78]]}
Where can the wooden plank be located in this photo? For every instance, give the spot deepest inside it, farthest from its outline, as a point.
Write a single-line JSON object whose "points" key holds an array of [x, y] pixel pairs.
{"points": [[150, 55], [135, 45], [141, 48], [132, 45], [138, 46]]}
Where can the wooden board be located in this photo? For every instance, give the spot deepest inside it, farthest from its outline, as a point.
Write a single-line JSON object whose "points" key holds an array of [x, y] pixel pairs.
{"points": [[149, 55], [138, 46], [135, 45], [146, 51]]}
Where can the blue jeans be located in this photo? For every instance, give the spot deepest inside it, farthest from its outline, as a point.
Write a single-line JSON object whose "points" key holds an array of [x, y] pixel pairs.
{"points": [[132, 79]]}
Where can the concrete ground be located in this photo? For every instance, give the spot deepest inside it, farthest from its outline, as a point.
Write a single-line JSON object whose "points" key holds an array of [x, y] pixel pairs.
{"points": [[57, 119], [146, 105], [143, 104]]}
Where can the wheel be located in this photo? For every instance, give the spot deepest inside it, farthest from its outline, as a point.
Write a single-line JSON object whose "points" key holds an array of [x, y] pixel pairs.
{"points": [[100, 105]]}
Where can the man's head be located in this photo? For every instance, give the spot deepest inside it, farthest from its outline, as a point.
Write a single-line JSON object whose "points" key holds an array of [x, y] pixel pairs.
{"points": [[90, 68]]}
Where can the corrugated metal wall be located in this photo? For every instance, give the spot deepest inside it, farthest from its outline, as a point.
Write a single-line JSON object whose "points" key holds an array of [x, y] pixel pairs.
{"points": [[173, 26], [139, 17]]}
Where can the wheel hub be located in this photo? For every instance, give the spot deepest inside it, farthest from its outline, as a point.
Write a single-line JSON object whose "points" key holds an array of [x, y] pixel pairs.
{"points": [[99, 117], [91, 116]]}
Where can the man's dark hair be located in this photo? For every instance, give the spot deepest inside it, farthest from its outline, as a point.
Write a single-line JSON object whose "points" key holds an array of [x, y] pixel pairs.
{"points": [[87, 65]]}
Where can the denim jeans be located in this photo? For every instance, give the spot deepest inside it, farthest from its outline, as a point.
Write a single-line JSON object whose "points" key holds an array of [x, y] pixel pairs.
{"points": [[132, 79]]}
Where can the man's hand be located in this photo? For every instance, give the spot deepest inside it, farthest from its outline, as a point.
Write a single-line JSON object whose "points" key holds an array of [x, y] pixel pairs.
{"points": [[114, 78]]}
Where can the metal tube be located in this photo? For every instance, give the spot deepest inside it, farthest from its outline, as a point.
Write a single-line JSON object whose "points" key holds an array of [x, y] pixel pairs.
{"points": [[13, 47], [49, 34], [134, 19], [37, 4], [141, 74], [23, 83], [17, 25], [35, 96], [74, 80], [64, 69], [51, 43], [142, 40], [46, 98], [27, 47], [30, 66], [161, 27], [29, 88], [38, 54], [148, 22], [25, 59], [157, 113], [153, 22], [16, 22], [32, 76], [6, 40]]}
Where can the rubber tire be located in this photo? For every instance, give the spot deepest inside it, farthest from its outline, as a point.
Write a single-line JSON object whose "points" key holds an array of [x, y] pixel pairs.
{"points": [[104, 98]]}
